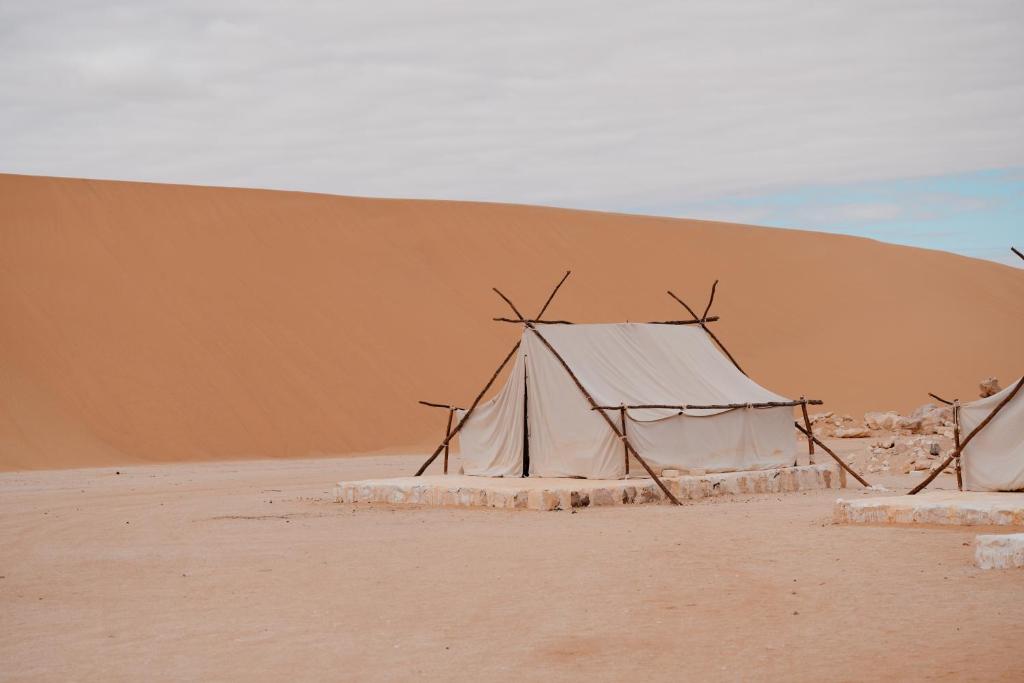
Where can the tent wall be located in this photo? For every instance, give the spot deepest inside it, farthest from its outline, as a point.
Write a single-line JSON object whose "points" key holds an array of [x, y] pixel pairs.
{"points": [[745, 439], [491, 442], [994, 460]]}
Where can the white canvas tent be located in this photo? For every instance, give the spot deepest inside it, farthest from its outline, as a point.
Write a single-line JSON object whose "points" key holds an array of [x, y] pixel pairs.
{"points": [[994, 460], [541, 415], [584, 400]]}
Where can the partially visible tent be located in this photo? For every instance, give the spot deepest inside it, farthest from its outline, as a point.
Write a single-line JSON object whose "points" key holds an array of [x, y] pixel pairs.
{"points": [[994, 459], [625, 364]]}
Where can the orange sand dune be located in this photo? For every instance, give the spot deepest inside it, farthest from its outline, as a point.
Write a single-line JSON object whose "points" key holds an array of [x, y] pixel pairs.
{"points": [[147, 322]]}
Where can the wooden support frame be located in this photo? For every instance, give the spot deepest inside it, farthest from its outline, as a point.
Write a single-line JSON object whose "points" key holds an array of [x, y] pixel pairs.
{"points": [[810, 435], [618, 430], [956, 453], [1015, 251], [705, 327]]}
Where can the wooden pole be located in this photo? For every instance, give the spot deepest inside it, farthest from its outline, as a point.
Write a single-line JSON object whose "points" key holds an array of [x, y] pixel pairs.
{"points": [[956, 453], [709, 319], [710, 333], [625, 451], [711, 299], [593, 404], [1014, 250], [719, 406], [539, 322], [447, 433], [553, 292], [956, 444], [940, 399], [807, 423], [439, 405], [695, 321], [511, 305], [835, 457], [469, 412]]}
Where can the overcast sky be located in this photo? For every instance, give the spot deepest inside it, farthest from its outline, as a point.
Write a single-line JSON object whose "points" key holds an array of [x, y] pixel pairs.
{"points": [[723, 109]]}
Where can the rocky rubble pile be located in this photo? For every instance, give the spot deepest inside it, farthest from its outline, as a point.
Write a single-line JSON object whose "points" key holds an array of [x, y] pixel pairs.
{"points": [[903, 443]]}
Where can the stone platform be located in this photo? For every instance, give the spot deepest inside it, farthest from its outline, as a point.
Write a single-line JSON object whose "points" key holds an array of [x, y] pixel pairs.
{"points": [[561, 494], [966, 508], [999, 551]]}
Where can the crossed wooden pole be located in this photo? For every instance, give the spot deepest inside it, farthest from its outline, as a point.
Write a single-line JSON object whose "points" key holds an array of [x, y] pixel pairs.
{"points": [[450, 433]]}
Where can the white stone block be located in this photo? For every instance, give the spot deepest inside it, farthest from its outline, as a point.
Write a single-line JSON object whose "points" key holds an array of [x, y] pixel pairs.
{"points": [[999, 551]]}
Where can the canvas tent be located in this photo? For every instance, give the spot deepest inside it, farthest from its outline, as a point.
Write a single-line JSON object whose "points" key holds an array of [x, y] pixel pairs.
{"points": [[585, 400], [541, 416], [994, 461], [994, 428]]}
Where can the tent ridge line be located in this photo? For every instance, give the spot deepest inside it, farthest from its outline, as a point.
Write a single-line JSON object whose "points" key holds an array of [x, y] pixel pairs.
{"points": [[956, 453], [593, 403]]}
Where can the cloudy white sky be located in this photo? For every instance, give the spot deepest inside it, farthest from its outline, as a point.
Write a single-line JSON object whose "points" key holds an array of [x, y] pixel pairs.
{"points": [[898, 120]]}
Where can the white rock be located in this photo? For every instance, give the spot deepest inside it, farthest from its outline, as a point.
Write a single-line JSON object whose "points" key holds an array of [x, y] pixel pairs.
{"points": [[886, 421], [999, 551], [989, 386], [852, 432]]}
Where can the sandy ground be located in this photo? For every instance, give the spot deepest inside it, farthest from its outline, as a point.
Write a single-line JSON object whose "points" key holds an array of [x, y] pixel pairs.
{"points": [[147, 323], [249, 570]]}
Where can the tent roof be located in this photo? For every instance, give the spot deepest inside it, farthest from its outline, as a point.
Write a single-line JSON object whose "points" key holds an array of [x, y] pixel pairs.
{"points": [[642, 363]]}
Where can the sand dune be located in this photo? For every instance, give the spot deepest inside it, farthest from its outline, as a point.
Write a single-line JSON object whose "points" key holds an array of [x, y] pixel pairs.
{"points": [[149, 322]]}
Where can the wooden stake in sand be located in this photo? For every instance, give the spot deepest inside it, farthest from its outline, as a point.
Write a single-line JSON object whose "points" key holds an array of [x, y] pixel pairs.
{"points": [[835, 457], [956, 453]]}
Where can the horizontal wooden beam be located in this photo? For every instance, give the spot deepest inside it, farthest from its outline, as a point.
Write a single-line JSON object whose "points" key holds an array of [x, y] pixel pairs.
{"points": [[538, 322], [722, 406], [695, 321], [940, 399], [440, 405]]}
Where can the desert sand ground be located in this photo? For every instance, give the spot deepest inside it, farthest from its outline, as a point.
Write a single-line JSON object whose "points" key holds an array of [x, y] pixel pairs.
{"points": [[249, 570], [147, 323]]}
